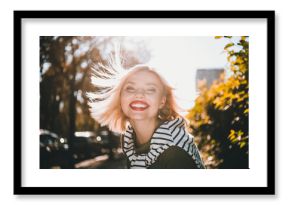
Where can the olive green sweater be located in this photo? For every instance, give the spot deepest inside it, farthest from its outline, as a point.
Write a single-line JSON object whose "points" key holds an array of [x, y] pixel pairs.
{"points": [[172, 158]]}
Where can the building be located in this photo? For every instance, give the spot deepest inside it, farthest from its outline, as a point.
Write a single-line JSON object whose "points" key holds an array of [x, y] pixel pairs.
{"points": [[209, 75]]}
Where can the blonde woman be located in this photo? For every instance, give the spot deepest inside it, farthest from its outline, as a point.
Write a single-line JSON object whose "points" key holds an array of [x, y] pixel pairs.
{"points": [[139, 104]]}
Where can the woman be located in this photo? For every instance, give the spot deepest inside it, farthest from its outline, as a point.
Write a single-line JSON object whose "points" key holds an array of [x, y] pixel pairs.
{"points": [[140, 104]]}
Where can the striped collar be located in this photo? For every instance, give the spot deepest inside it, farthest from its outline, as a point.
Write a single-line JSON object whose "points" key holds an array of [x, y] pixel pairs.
{"points": [[169, 133]]}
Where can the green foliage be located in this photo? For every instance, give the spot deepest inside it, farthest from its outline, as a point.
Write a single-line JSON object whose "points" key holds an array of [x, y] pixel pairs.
{"points": [[219, 119]]}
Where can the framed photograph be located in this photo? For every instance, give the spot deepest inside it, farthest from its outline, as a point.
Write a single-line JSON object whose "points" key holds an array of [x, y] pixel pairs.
{"points": [[144, 102]]}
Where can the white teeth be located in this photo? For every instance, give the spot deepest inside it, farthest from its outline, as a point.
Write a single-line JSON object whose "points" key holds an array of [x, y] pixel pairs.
{"points": [[138, 105]]}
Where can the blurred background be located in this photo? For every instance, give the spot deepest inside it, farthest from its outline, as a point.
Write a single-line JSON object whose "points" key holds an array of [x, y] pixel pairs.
{"points": [[209, 74]]}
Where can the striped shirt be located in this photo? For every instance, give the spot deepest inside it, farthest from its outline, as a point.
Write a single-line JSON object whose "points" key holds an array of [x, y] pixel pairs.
{"points": [[169, 133]]}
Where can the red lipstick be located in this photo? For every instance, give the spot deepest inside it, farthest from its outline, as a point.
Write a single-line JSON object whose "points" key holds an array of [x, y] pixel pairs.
{"points": [[138, 105]]}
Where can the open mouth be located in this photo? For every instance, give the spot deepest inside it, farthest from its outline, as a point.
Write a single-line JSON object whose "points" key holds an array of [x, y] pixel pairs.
{"points": [[138, 105]]}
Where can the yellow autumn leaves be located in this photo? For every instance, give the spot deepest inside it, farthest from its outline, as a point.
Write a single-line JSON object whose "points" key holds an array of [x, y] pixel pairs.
{"points": [[226, 99]]}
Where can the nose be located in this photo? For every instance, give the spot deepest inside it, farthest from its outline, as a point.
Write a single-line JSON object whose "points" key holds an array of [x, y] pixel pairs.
{"points": [[140, 93]]}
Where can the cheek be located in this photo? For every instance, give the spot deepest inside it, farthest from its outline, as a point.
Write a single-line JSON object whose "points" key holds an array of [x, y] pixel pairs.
{"points": [[155, 102], [124, 103]]}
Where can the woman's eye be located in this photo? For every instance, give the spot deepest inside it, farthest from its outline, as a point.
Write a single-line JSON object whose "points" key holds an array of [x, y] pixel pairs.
{"points": [[130, 89], [151, 90]]}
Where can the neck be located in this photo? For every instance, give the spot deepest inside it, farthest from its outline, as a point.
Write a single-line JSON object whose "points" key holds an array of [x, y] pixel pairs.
{"points": [[144, 129]]}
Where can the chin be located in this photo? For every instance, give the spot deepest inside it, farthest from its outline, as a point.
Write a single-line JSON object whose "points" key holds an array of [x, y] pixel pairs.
{"points": [[138, 117], [141, 117]]}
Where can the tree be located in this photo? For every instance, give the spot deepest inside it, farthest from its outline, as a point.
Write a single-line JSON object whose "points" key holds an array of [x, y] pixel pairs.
{"points": [[219, 118], [65, 72], [64, 68]]}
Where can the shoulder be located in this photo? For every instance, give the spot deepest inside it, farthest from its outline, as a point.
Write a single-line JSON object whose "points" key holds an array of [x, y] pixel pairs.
{"points": [[174, 158], [170, 125], [178, 132], [166, 131], [173, 126]]}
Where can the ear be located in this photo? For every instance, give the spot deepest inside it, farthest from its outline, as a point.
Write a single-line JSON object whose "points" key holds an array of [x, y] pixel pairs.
{"points": [[163, 101]]}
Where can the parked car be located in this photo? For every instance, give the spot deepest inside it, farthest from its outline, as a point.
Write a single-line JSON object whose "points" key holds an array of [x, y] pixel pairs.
{"points": [[86, 145], [53, 150], [59, 152], [89, 144]]}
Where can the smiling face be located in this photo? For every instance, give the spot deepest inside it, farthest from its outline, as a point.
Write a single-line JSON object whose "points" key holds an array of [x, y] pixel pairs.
{"points": [[142, 95]]}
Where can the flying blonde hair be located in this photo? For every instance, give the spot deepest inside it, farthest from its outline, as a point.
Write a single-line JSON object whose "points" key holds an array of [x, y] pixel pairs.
{"points": [[105, 102]]}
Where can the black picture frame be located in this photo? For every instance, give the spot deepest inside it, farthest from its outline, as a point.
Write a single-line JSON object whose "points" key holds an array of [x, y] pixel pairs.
{"points": [[19, 189]]}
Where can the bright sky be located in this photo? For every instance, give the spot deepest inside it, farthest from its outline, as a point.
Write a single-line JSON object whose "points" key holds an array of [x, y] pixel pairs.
{"points": [[177, 59]]}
